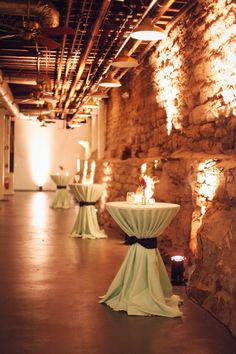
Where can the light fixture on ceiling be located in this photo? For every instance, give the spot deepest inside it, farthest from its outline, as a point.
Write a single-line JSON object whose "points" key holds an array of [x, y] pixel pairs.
{"points": [[99, 94], [82, 114], [146, 31], [91, 104], [109, 81], [125, 61], [73, 124]]}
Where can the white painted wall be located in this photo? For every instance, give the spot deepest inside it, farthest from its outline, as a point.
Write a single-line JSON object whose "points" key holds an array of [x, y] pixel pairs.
{"points": [[44, 149]]}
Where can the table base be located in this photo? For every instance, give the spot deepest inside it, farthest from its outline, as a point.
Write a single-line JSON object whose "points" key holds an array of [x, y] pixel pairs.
{"points": [[86, 224], [142, 286], [62, 199]]}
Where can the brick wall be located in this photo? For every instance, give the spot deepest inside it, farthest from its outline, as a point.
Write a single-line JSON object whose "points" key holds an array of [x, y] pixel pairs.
{"points": [[181, 111]]}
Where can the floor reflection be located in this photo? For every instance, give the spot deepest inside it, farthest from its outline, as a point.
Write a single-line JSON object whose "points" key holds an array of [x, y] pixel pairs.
{"points": [[39, 210]]}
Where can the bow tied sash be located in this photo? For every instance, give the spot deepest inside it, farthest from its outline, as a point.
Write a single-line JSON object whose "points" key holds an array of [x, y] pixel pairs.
{"points": [[148, 243], [83, 203]]}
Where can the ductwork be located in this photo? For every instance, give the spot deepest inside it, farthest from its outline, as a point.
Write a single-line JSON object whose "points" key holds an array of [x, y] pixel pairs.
{"points": [[36, 112], [23, 79], [46, 12], [7, 98]]}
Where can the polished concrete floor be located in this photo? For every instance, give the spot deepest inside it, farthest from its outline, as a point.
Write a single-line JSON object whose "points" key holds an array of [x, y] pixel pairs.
{"points": [[50, 284]]}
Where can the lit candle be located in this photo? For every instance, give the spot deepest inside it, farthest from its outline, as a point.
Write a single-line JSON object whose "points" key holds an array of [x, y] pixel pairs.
{"points": [[78, 165], [85, 171], [149, 189], [143, 168], [92, 171], [58, 174], [138, 198], [67, 174]]}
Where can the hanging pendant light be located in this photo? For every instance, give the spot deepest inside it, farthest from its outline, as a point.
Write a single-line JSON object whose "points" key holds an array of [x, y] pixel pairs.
{"points": [[90, 104], [125, 61], [146, 31], [99, 94], [82, 115], [109, 81]]}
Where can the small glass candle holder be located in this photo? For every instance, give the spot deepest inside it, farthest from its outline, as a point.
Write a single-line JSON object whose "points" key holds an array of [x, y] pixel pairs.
{"points": [[130, 197], [76, 178], [138, 198], [151, 201]]}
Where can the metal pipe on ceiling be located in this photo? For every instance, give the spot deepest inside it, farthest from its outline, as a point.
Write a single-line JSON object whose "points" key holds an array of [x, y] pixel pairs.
{"points": [[7, 98], [46, 12], [69, 56], [38, 112], [96, 27], [69, 4], [164, 7], [32, 79], [137, 43], [179, 15], [134, 47]]}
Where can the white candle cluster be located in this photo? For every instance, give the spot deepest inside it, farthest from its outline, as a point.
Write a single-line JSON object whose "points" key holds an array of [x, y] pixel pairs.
{"points": [[88, 176], [146, 188]]}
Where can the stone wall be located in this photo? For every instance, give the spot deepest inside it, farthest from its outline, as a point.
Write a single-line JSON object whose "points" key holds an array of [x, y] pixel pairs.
{"points": [[181, 111]]}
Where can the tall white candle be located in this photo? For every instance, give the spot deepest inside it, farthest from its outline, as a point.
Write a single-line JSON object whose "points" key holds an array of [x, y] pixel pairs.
{"points": [[85, 171], [78, 165], [143, 168], [92, 171]]}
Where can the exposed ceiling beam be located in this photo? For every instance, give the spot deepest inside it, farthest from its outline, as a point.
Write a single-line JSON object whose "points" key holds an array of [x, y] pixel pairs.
{"points": [[180, 14], [69, 4], [70, 52], [177, 17], [95, 30]]}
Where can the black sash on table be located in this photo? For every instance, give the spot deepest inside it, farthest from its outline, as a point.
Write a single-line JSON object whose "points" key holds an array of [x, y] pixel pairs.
{"points": [[84, 203], [145, 242], [61, 187]]}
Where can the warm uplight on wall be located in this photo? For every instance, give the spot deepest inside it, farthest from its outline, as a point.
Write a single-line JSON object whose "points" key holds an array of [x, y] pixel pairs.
{"points": [[220, 71], [169, 81], [107, 177], [208, 179], [40, 156], [206, 186]]}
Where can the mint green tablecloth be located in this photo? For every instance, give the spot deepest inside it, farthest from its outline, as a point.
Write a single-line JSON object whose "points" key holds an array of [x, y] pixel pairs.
{"points": [[62, 198], [86, 224], [142, 285]]}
